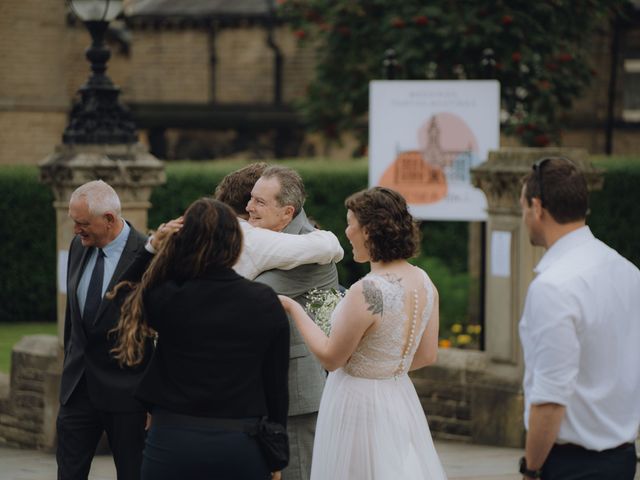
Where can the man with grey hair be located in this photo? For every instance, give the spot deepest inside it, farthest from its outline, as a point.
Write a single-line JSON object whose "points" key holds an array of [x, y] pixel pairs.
{"points": [[96, 395], [277, 201]]}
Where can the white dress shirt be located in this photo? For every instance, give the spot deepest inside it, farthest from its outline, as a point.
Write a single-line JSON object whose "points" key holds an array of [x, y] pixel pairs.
{"points": [[264, 250], [580, 333]]}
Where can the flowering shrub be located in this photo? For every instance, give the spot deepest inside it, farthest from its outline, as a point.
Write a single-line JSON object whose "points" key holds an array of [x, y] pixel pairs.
{"points": [[535, 49], [461, 336]]}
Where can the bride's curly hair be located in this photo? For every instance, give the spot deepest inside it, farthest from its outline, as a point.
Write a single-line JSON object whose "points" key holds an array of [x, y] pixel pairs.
{"points": [[210, 238], [392, 232]]}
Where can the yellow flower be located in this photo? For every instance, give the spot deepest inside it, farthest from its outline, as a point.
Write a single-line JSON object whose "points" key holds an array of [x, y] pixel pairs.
{"points": [[456, 328], [463, 339], [474, 329], [444, 343]]}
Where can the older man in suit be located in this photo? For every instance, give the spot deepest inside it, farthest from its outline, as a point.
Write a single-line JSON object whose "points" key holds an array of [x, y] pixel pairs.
{"points": [[96, 395], [276, 204]]}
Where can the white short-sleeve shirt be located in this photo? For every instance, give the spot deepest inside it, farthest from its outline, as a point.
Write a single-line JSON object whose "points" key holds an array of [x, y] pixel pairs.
{"points": [[580, 333]]}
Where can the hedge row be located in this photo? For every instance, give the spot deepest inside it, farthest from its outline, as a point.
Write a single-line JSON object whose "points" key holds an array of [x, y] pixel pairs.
{"points": [[27, 262]]}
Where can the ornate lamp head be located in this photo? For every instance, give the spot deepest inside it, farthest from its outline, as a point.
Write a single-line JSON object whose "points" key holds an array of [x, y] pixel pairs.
{"points": [[98, 118]]}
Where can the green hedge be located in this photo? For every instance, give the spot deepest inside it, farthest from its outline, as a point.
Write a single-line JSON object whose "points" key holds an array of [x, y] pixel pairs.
{"points": [[27, 259], [28, 247]]}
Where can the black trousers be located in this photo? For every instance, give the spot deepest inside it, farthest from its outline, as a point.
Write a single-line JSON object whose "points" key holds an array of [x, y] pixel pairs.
{"points": [[571, 462], [80, 427], [184, 447]]}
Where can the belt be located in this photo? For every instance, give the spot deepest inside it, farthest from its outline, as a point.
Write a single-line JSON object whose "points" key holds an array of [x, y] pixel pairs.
{"points": [[573, 446], [165, 418]]}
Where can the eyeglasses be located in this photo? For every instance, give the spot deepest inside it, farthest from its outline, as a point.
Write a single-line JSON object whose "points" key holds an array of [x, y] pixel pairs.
{"points": [[537, 170]]}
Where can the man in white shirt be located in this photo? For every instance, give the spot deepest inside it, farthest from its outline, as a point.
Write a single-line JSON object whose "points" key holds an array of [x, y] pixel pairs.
{"points": [[265, 249], [580, 333]]}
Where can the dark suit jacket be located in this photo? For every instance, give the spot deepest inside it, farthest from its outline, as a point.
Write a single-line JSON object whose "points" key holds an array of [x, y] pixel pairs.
{"points": [[223, 348], [306, 375], [86, 347]]}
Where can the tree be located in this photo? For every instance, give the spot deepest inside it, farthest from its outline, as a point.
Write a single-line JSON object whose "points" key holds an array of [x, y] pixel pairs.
{"points": [[535, 49]]}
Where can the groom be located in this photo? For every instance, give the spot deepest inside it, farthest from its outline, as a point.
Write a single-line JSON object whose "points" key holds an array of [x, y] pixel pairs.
{"points": [[276, 204]]}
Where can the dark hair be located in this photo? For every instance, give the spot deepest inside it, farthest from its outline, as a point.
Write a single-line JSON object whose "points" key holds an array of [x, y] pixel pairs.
{"points": [[235, 188], [382, 212], [291, 186], [210, 239], [561, 188]]}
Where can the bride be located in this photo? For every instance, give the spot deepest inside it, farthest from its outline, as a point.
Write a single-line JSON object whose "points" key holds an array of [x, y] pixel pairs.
{"points": [[371, 424]]}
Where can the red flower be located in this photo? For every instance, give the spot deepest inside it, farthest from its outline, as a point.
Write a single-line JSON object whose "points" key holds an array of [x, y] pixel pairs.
{"points": [[344, 30], [544, 85], [499, 66], [324, 27], [516, 57], [520, 129], [300, 34], [507, 20], [281, 2], [565, 57], [541, 140], [421, 20], [398, 23], [551, 66]]}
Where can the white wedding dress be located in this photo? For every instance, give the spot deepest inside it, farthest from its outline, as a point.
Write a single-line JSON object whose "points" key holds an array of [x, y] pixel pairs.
{"points": [[371, 425]]}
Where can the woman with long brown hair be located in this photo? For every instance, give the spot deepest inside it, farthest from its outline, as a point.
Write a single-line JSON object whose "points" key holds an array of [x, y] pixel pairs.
{"points": [[222, 353]]}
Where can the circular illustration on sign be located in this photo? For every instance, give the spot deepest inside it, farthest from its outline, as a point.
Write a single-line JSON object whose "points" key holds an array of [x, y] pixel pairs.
{"points": [[447, 151]]}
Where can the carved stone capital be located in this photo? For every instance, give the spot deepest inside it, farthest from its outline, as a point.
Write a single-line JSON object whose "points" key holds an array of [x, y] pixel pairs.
{"points": [[500, 177], [129, 168]]}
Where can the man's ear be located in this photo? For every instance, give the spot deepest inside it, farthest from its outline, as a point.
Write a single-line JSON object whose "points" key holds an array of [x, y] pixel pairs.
{"points": [[289, 211], [536, 207], [110, 218]]}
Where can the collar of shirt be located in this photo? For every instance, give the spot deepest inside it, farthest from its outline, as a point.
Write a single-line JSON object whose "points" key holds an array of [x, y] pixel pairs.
{"points": [[114, 249], [563, 245]]}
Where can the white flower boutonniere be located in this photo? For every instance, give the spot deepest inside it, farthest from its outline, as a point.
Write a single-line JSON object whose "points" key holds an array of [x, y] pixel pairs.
{"points": [[321, 305]]}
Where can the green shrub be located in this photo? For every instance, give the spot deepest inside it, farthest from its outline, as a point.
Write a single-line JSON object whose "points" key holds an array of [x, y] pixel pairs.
{"points": [[615, 213], [28, 256]]}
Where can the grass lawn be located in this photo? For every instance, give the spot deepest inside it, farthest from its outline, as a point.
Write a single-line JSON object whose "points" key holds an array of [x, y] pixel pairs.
{"points": [[11, 333]]}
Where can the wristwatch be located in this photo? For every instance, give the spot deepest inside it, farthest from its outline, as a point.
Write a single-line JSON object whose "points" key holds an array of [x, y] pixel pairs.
{"points": [[529, 473]]}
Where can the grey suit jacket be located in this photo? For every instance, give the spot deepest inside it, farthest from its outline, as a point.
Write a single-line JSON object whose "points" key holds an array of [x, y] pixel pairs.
{"points": [[306, 375]]}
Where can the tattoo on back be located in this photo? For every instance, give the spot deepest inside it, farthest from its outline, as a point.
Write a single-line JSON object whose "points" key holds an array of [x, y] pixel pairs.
{"points": [[372, 296]]}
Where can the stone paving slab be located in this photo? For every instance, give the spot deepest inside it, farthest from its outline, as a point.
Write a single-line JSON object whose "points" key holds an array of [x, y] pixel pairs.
{"points": [[461, 461]]}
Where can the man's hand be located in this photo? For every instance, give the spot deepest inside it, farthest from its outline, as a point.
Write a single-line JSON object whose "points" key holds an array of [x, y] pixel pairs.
{"points": [[165, 230], [276, 475]]}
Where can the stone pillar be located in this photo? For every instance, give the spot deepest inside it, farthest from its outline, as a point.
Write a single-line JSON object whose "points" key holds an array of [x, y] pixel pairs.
{"points": [[129, 168], [510, 260]]}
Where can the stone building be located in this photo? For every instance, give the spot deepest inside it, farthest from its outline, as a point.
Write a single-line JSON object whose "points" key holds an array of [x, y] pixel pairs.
{"points": [[208, 79]]}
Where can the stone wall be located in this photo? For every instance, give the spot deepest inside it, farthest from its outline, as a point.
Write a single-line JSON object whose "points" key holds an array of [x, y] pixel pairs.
{"points": [[464, 402], [29, 397]]}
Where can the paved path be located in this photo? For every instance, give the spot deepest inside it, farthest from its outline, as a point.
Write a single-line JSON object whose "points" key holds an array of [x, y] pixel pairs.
{"points": [[461, 462]]}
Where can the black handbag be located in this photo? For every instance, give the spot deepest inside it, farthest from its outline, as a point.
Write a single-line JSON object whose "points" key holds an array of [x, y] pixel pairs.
{"points": [[273, 441]]}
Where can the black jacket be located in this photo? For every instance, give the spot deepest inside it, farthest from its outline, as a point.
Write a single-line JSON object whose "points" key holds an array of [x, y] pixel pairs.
{"points": [[223, 348], [86, 347]]}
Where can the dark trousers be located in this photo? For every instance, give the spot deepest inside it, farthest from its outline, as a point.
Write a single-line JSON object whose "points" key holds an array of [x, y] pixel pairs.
{"points": [[571, 462], [80, 427], [195, 451]]}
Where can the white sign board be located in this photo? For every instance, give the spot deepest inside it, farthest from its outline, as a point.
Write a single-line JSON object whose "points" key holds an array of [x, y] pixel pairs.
{"points": [[424, 138], [500, 254]]}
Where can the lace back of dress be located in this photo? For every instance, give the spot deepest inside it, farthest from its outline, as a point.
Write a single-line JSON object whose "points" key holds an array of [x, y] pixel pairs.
{"points": [[388, 350]]}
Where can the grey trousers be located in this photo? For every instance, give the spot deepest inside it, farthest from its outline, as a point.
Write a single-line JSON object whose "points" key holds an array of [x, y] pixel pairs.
{"points": [[301, 430]]}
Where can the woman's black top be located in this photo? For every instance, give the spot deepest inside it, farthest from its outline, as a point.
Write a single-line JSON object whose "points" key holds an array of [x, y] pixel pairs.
{"points": [[223, 349]]}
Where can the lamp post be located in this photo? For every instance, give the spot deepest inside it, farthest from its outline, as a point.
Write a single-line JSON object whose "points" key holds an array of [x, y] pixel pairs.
{"points": [[98, 118]]}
